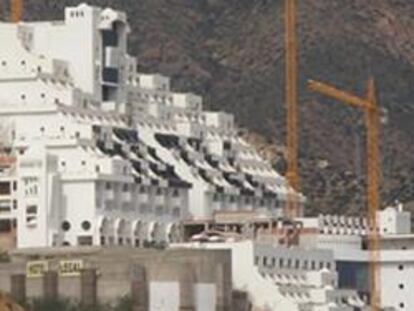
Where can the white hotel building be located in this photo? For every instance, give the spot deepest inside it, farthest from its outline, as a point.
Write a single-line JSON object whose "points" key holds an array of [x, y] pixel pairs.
{"points": [[106, 155]]}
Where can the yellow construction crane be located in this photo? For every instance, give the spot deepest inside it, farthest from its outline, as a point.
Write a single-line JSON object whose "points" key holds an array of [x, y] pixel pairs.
{"points": [[291, 77], [369, 105], [16, 10]]}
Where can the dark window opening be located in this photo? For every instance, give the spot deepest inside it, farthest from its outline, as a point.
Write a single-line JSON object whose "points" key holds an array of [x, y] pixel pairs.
{"points": [[110, 75], [5, 226], [31, 209], [110, 38], [86, 225], [85, 240], [65, 225], [4, 188], [109, 93]]}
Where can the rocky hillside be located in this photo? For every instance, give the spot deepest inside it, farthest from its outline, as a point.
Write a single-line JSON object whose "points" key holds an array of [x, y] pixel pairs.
{"points": [[231, 52]]}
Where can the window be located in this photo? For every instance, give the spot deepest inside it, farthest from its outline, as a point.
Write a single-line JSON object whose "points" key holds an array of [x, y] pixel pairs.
{"points": [[65, 226], [86, 225], [4, 188], [97, 168], [401, 286], [265, 261], [5, 226], [125, 188], [42, 95], [401, 267], [175, 193], [402, 305], [31, 209], [108, 186], [23, 96], [85, 240]]}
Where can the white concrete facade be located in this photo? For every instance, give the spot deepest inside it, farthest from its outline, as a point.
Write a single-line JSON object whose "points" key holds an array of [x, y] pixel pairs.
{"points": [[347, 238], [110, 156], [281, 278]]}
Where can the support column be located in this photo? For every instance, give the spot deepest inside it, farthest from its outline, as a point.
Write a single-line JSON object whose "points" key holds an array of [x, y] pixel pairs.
{"points": [[18, 287], [50, 284], [89, 287], [139, 289], [187, 289]]}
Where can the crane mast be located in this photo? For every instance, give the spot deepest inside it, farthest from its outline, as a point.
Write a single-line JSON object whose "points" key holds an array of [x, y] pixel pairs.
{"points": [[370, 108], [16, 10], [291, 77], [372, 121]]}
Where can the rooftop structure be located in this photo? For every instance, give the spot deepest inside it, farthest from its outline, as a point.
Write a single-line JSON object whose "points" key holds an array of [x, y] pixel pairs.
{"points": [[346, 239]]}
